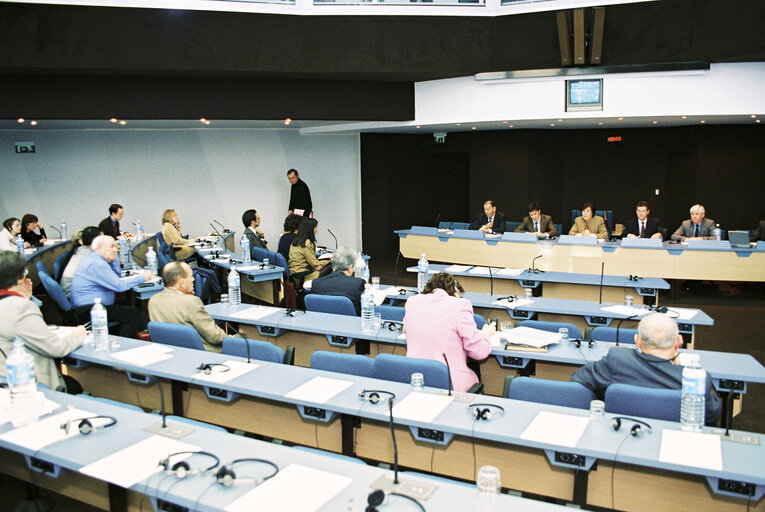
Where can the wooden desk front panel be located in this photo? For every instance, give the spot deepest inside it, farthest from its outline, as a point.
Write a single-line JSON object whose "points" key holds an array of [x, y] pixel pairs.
{"points": [[550, 290], [106, 382]]}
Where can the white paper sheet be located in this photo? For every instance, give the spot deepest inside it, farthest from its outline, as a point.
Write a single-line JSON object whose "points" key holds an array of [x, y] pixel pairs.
{"points": [[528, 336], [694, 449], [253, 313], [421, 407], [514, 304], [684, 314], [627, 311], [46, 431], [278, 494], [236, 369], [554, 428], [130, 465], [245, 268], [381, 294], [482, 271], [453, 269], [511, 272], [325, 256], [318, 390], [45, 406], [145, 355]]}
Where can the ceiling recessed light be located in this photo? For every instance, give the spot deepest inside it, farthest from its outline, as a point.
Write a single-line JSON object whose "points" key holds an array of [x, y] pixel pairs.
{"points": [[560, 120], [418, 126], [287, 121], [756, 120], [600, 123], [753, 116], [473, 128], [202, 119], [703, 121], [685, 117], [655, 122], [113, 120], [207, 122], [33, 123], [621, 119], [504, 122], [459, 124], [552, 124], [123, 122], [20, 120]]}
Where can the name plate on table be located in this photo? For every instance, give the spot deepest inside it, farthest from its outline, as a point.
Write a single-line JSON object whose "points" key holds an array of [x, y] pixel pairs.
{"points": [[715, 245], [423, 230], [519, 237], [468, 233], [577, 240], [641, 242]]}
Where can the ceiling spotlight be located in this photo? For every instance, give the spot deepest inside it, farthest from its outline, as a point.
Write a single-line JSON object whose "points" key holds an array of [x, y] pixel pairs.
{"points": [[621, 119], [123, 122], [685, 117], [552, 124], [504, 122], [655, 122], [600, 123], [560, 120], [753, 116], [287, 121], [459, 124], [113, 120], [33, 123], [473, 128], [418, 126], [20, 120], [207, 122], [703, 121], [510, 126], [756, 120]]}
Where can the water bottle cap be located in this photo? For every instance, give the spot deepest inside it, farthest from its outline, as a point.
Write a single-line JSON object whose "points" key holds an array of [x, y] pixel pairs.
{"points": [[97, 300]]}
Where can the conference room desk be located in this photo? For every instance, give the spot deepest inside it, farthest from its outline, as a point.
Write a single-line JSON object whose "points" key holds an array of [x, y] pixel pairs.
{"points": [[702, 259], [560, 285], [47, 254], [453, 443], [69, 455], [256, 280]]}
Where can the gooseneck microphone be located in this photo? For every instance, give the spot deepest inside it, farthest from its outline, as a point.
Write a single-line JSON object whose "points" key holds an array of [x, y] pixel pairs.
{"points": [[619, 324], [449, 372], [395, 446], [246, 342], [533, 261], [600, 295], [333, 236], [225, 229], [57, 230], [438, 218], [491, 282], [395, 270], [162, 405]]}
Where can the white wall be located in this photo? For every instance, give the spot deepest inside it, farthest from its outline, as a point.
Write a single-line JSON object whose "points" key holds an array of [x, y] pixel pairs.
{"points": [[202, 174]]}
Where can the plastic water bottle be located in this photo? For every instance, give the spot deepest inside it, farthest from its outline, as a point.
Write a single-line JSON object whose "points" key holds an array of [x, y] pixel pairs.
{"points": [[246, 254], [64, 232], [718, 232], [367, 310], [20, 244], [692, 406], [151, 260], [422, 273], [139, 230], [22, 383], [360, 268], [234, 291], [99, 325]]}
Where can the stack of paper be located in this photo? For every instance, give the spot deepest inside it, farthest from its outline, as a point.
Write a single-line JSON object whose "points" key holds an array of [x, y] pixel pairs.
{"points": [[627, 311], [145, 355], [482, 271], [510, 272], [453, 269], [526, 338]]}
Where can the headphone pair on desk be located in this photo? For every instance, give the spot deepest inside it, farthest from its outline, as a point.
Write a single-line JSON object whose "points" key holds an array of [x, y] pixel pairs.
{"points": [[225, 476], [635, 430], [485, 411], [578, 343], [85, 426], [207, 368], [373, 395]]}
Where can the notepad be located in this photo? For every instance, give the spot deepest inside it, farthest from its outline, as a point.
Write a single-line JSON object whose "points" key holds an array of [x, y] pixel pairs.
{"points": [[453, 269], [555, 428], [694, 449], [627, 311], [319, 389], [421, 407], [145, 355], [45, 406], [47, 431], [513, 304], [510, 272], [253, 313]]}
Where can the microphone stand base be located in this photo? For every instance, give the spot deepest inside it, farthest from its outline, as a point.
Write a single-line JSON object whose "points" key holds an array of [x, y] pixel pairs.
{"points": [[417, 490], [172, 430]]}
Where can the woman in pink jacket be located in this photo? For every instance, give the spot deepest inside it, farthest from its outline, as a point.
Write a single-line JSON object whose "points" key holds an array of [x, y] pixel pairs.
{"points": [[439, 321]]}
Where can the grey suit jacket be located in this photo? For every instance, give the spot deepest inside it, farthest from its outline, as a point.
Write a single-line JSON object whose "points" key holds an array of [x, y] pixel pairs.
{"points": [[255, 240], [545, 224], [627, 365], [759, 233], [174, 307], [707, 230]]}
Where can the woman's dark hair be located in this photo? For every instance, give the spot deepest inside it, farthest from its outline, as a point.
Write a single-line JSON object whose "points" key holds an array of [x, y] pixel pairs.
{"points": [[248, 217], [590, 206], [291, 223], [27, 219], [8, 223], [444, 281], [11, 268], [305, 232]]}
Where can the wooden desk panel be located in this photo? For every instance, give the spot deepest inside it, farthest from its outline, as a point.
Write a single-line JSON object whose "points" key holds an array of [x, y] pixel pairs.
{"points": [[106, 382]]}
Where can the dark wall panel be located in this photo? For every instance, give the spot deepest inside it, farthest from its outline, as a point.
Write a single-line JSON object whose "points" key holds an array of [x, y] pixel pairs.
{"points": [[720, 167]]}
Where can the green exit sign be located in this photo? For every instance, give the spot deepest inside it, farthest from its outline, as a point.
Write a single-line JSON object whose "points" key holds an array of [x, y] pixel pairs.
{"points": [[25, 147]]}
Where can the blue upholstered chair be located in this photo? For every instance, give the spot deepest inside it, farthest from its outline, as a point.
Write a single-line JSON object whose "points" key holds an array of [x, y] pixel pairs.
{"points": [[479, 321], [401, 368], [573, 330], [553, 392], [626, 336], [54, 291], [392, 313], [329, 304], [259, 254], [177, 335], [165, 253], [58, 265], [260, 350], [662, 404], [351, 364]]}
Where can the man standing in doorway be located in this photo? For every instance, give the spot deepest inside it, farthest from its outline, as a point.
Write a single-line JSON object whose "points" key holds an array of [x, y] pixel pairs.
{"points": [[300, 196]]}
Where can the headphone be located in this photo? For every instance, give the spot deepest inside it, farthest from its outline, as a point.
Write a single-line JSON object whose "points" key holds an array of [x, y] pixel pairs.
{"points": [[207, 368], [635, 278], [484, 411], [509, 298], [578, 343], [85, 426], [226, 477], [635, 430], [374, 395], [393, 326], [404, 291], [182, 469]]}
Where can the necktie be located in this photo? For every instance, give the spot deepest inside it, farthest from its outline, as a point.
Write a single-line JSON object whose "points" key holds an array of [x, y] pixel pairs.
{"points": [[642, 229], [536, 226], [696, 230]]}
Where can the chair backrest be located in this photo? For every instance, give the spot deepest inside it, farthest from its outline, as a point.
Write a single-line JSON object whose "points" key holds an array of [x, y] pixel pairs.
{"points": [[573, 330], [392, 313], [510, 226], [177, 335], [329, 304], [401, 368], [58, 264], [662, 404], [609, 334], [351, 364], [53, 289], [165, 253], [259, 254], [460, 225], [260, 350], [479, 321], [279, 261], [553, 392]]}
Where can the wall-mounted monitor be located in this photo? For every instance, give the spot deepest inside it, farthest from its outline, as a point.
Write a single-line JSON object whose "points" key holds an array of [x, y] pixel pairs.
{"points": [[584, 95]]}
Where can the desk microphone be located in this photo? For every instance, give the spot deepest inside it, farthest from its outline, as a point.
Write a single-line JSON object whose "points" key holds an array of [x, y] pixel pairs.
{"points": [[619, 324], [162, 411], [491, 282], [533, 261], [395, 270], [58, 230], [600, 295], [438, 218], [225, 229], [333, 236], [395, 446], [246, 342], [449, 370]]}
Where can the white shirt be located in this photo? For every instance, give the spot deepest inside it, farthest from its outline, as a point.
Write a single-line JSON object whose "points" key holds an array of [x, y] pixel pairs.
{"points": [[7, 241]]}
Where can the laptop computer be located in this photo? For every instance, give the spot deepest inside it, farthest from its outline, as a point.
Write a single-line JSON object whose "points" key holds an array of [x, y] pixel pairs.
{"points": [[738, 238]]}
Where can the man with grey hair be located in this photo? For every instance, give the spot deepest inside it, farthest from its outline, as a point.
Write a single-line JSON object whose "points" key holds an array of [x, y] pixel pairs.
{"points": [[341, 281], [697, 227], [653, 364]]}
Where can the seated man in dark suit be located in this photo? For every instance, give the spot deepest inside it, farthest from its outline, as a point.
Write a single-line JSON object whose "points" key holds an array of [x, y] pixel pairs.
{"points": [[490, 221], [111, 225], [341, 281], [251, 221], [537, 223], [653, 365], [759, 233], [643, 226], [697, 228]]}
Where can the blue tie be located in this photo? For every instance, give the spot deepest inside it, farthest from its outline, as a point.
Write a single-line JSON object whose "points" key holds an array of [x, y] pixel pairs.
{"points": [[696, 230]]}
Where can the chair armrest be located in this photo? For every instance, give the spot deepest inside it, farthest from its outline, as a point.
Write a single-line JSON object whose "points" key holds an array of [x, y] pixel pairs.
{"points": [[506, 387], [289, 355], [476, 388]]}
